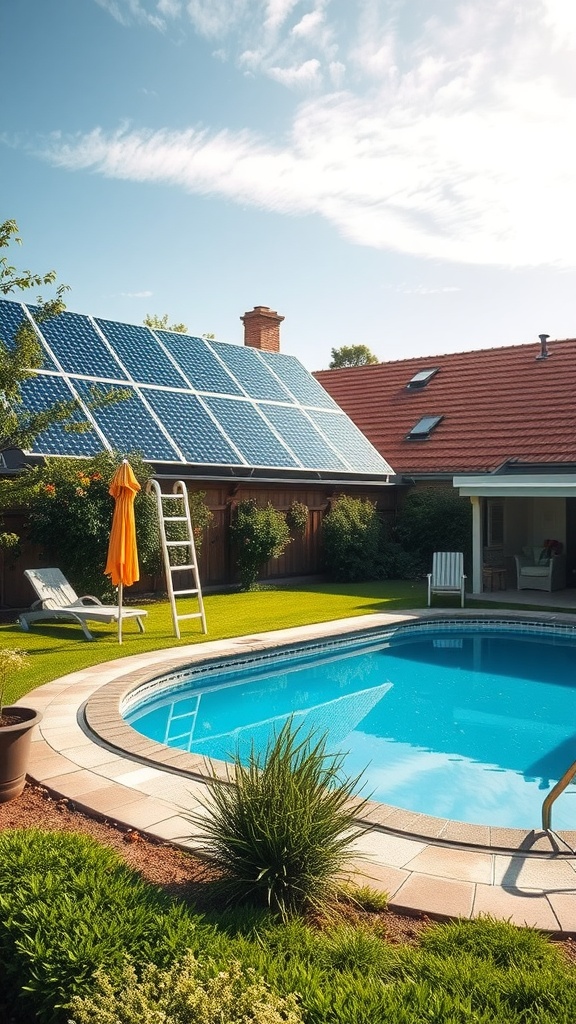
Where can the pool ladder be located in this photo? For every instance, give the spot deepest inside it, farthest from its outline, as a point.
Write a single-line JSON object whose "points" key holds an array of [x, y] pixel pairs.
{"points": [[165, 507], [554, 794]]}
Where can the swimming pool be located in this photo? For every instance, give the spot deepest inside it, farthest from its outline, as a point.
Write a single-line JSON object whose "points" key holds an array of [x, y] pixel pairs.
{"points": [[473, 721]]}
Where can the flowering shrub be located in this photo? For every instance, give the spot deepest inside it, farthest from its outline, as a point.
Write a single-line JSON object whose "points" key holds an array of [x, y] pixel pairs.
{"points": [[70, 515]]}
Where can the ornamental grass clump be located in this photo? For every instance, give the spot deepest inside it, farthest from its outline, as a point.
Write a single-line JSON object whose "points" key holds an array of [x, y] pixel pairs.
{"points": [[282, 826]]}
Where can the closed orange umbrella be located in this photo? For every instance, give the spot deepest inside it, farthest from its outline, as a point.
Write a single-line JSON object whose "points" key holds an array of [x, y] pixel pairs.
{"points": [[122, 562]]}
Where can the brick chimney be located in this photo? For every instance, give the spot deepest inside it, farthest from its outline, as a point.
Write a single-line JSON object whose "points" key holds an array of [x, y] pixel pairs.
{"points": [[262, 329]]}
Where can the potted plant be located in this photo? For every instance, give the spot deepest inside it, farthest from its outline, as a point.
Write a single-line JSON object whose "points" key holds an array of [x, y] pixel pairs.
{"points": [[16, 725]]}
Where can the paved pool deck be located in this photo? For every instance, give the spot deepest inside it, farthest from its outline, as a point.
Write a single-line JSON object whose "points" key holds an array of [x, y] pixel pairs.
{"points": [[84, 751]]}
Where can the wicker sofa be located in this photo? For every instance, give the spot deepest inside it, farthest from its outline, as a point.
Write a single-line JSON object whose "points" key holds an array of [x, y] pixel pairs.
{"points": [[538, 569]]}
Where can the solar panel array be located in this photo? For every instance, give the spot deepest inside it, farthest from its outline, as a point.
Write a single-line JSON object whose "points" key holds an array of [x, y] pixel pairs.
{"points": [[186, 400]]}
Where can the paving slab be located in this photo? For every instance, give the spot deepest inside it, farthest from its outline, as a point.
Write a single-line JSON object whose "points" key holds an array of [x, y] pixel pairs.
{"points": [[531, 909], [441, 897]]}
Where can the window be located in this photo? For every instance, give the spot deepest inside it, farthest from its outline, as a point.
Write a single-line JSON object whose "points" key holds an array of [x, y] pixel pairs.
{"points": [[424, 427], [494, 523], [420, 380]]}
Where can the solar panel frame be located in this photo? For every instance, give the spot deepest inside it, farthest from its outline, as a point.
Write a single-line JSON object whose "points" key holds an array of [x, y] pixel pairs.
{"points": [[245, 366], [303, 386], [12, 314], [210, 440], [186, 348], [304, 438], [253, 448], [39, 392], [351, 442], [129, 425], [255, 408], [89, 355], [146, 361]]}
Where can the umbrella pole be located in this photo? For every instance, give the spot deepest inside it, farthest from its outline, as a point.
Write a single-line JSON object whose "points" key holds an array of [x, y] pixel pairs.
{"points": [[120, 589]]}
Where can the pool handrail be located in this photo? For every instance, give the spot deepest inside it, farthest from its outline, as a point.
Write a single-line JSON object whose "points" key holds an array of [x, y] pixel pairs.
{"points": [[554, 794]]}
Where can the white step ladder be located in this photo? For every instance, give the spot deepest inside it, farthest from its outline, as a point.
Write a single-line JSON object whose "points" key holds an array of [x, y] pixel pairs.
{"points": [[165, 505]]}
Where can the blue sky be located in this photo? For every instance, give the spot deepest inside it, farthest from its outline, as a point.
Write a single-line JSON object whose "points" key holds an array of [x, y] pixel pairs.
{"points": [[397, 173]]}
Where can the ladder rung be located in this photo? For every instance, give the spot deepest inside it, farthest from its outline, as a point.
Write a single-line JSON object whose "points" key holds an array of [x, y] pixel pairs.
{"points": [[178, 543], [171, 497], [182, 593], [191, 615], [175, 519], [179, 568]]}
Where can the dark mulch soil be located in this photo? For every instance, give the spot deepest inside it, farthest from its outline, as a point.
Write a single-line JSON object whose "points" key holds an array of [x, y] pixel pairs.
{"points": [[180, 874]]}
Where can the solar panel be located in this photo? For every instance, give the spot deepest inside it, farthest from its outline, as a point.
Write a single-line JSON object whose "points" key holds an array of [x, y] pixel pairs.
{"points": [[12, 316], [251, 433], [191, 400], [250, 371], [204, 371], [198, 437], [39, 393], [313, 450], [350, 441], [129, 426], [141, 354], [302, 384], [79, 348]]}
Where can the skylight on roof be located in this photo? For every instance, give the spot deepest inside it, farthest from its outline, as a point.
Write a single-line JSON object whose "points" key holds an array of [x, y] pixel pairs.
{"points": [[420, 380], [423, 428]]}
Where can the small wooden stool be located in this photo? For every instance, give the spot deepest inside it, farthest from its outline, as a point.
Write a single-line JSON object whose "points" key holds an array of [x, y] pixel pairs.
{"points": [[493, 577]]}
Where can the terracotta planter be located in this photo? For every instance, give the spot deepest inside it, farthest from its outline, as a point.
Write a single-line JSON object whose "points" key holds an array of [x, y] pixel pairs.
{"points": [[15, 750]]}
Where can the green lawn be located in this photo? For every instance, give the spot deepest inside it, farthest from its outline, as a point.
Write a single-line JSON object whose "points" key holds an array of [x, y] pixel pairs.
{"points": [[57, 648]]}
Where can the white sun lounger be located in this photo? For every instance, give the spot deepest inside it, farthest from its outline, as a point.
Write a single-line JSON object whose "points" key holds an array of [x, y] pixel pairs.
{"points": [[58, 600]]}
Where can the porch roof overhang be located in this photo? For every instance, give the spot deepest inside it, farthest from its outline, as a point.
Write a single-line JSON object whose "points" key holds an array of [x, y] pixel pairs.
{"points": [[521, 485]]}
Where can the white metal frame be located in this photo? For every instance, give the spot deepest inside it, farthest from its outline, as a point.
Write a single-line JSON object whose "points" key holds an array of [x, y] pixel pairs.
{"points": [[179, 493]]}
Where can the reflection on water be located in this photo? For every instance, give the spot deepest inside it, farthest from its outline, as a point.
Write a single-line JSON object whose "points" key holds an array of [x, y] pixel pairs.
{"points": [[475, 728]]}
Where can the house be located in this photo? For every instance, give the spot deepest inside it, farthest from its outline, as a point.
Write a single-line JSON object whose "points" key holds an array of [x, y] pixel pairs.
{"points": [[235, 421], [499, 424]]}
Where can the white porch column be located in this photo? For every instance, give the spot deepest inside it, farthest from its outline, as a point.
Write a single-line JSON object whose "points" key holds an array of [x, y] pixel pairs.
{"points": [[476, 544]]}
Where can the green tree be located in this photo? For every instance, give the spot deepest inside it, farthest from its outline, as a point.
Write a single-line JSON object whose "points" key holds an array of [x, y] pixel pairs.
{"points": [[352, 355], [160, 323]]}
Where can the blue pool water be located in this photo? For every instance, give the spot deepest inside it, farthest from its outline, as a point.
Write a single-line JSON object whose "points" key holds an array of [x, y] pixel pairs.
{"points": [[465, 722]]}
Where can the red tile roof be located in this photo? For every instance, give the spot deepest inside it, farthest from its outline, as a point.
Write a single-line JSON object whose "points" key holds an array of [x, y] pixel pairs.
{"points": [[497, 404]]}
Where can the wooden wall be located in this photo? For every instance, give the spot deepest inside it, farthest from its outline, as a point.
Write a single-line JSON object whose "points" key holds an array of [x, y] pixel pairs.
{"points": [[302, 557]]}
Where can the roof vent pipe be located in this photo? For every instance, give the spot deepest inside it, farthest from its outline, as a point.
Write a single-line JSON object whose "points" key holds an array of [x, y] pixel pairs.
{"points": [[544, 353]]}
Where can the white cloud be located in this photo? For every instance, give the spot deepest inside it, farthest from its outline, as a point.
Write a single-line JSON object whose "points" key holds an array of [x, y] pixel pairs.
{"points": [[309, 24], [422, 289], [128, 11], [136, 295], [217, 18], [560, 15], [452, 140], [305, 74]]}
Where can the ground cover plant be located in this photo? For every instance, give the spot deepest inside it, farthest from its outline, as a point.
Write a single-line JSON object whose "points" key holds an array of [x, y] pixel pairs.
{"points": [[76, 908]]}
